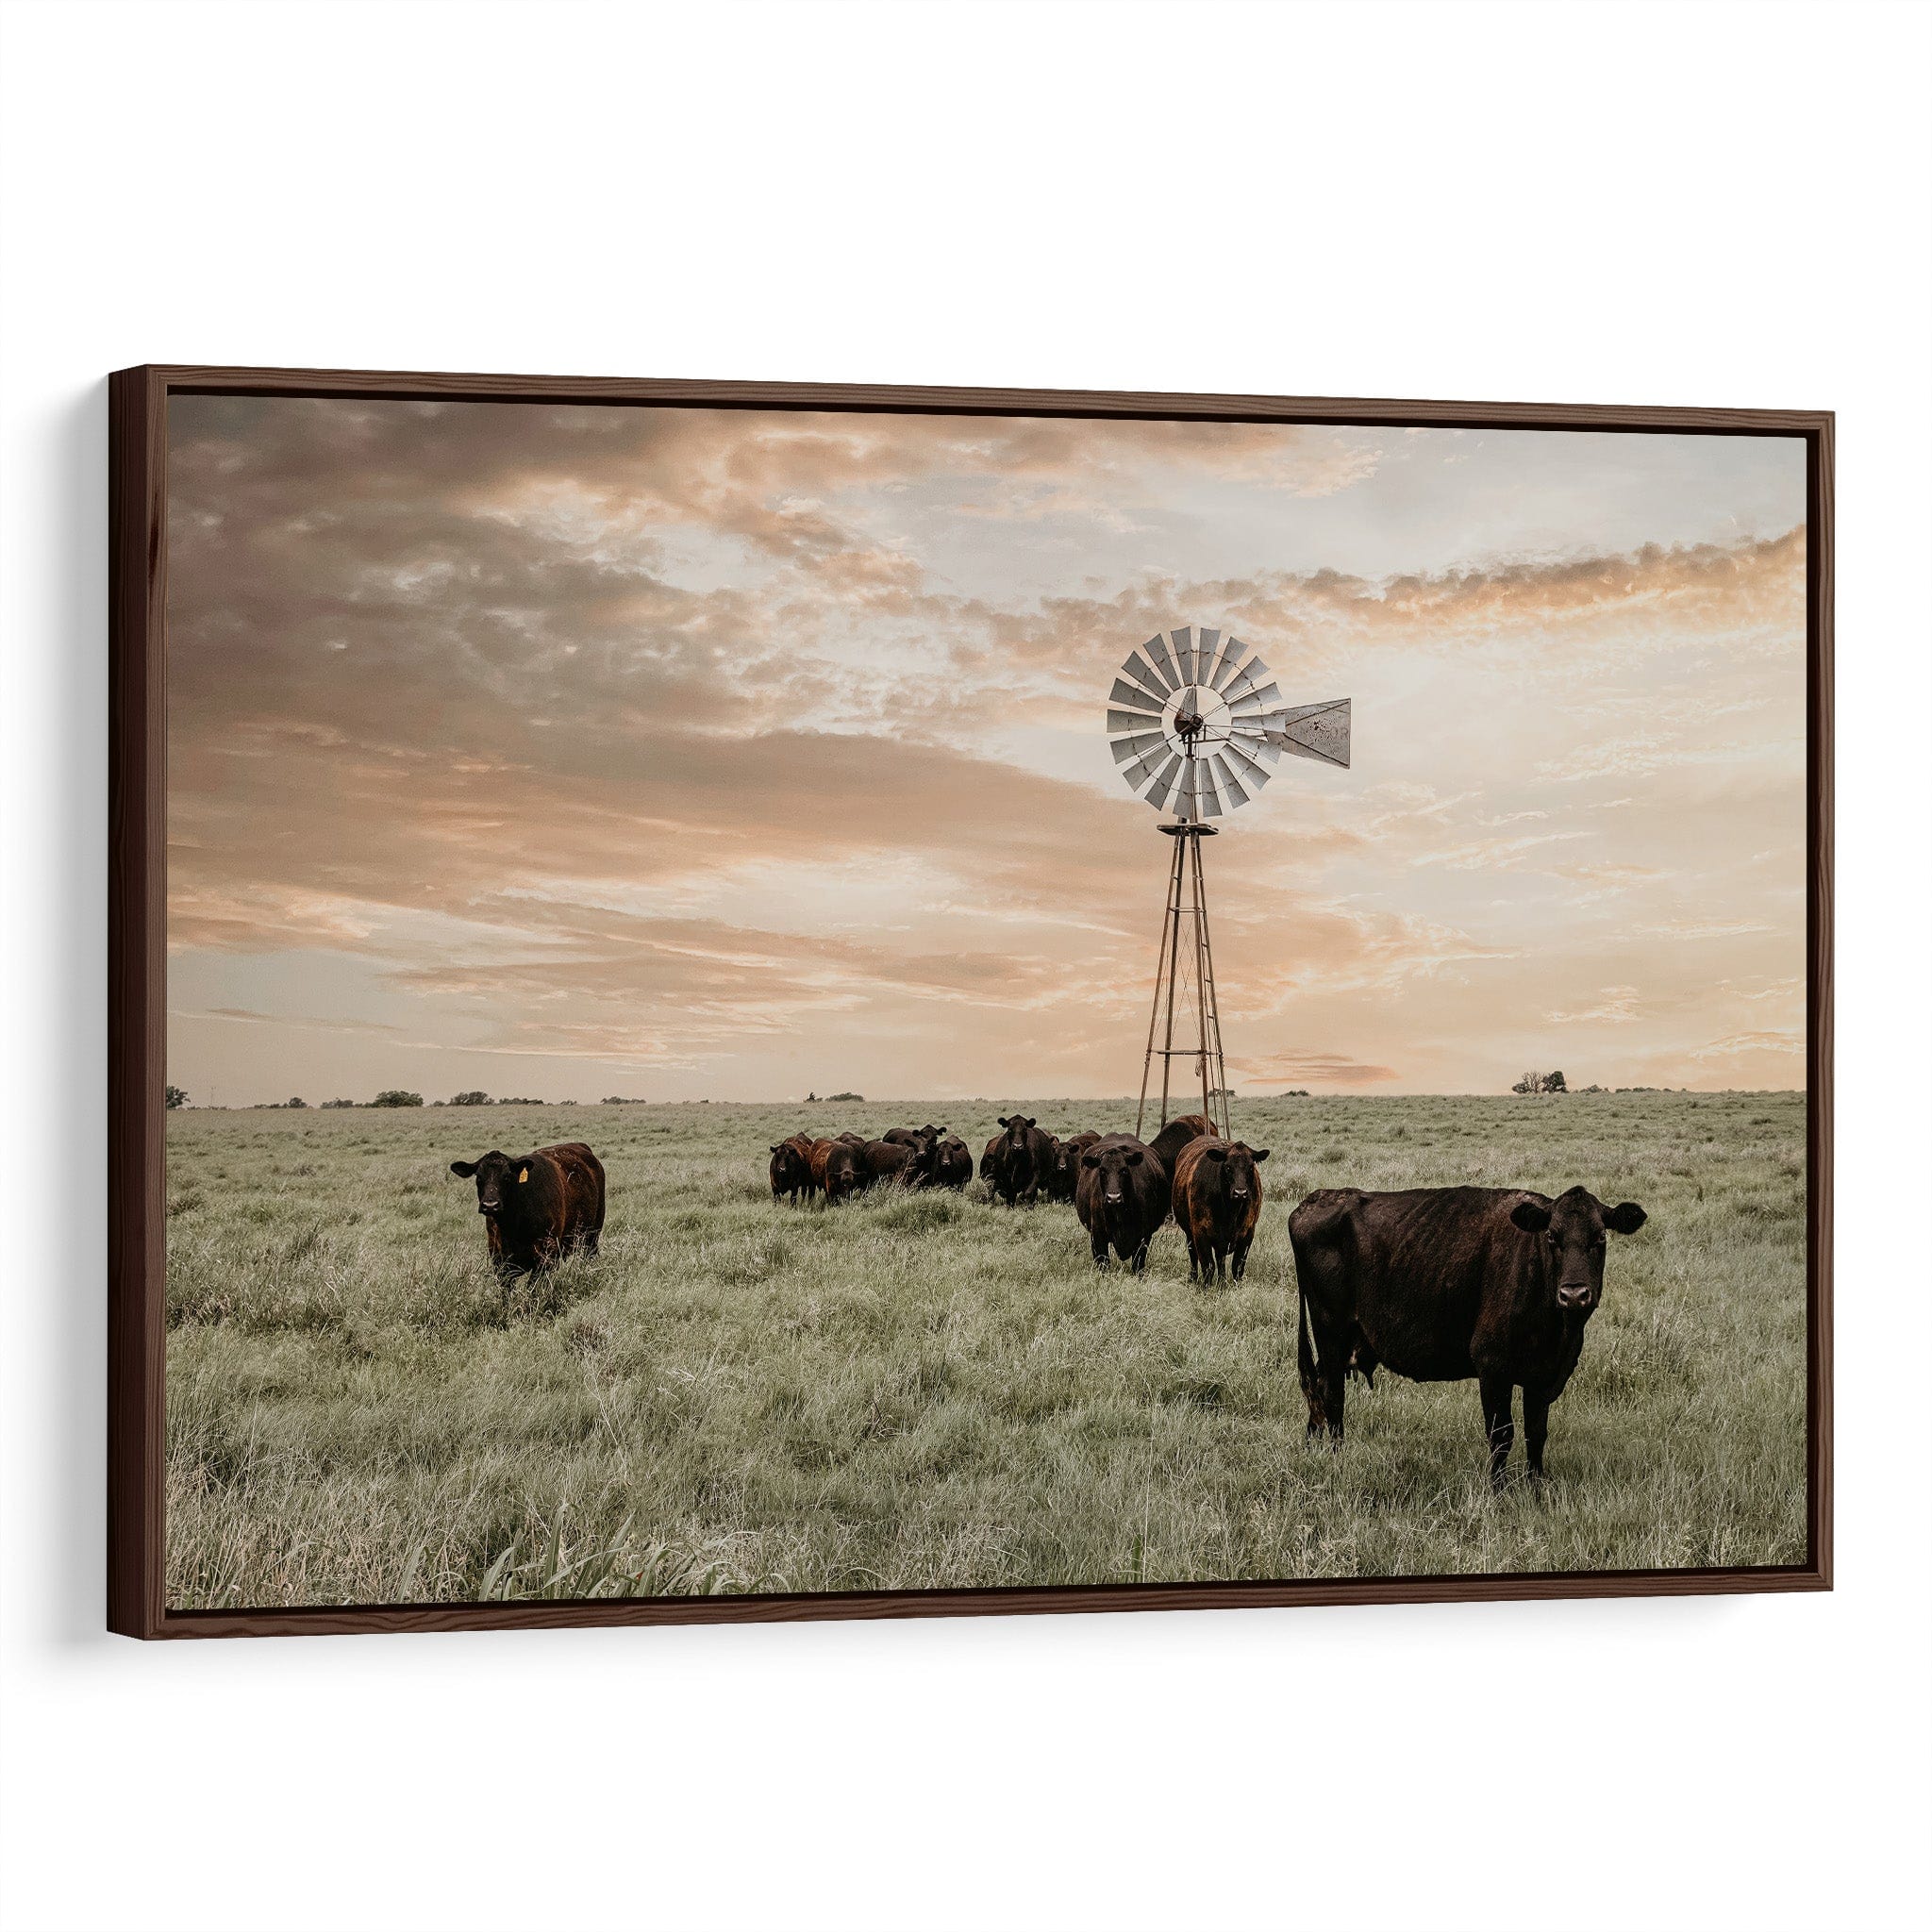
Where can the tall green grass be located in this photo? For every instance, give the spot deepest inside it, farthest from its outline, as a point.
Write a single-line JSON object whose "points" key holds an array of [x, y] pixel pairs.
{"points": [[926, 1390]]}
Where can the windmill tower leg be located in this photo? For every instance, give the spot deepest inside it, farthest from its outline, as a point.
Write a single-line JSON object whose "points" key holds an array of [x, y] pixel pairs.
{"points": [[1212, 1063], [1165, 961]]}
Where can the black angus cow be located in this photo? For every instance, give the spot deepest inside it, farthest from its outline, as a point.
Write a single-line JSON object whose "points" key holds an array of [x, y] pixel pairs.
{"points": [[1019, 1160], [1122, 1198], [537, 1206], [1063, 1176], [922, 1144], [952, 1162], [1167, 1145], [890, 1160], [791, 1173], [840, 1168], [1442, 1284], [1217, 1201]]}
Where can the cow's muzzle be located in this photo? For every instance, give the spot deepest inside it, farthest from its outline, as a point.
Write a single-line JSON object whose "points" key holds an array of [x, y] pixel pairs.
{"points": [[1577, 1299]]}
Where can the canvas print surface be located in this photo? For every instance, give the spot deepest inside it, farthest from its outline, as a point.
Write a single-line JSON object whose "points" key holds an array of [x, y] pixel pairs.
{"points": [[775, 1001]]}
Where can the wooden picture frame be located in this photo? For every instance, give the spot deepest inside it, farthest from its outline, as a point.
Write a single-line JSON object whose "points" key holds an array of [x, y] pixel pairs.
{"points": [[139, 399]]}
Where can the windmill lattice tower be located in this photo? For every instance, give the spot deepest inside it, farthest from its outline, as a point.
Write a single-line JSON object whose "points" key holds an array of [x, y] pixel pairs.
{"points": [[1196, 727]]}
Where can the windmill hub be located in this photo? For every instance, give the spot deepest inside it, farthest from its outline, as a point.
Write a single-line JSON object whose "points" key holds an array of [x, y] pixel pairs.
{"points": [[1195, 728]]}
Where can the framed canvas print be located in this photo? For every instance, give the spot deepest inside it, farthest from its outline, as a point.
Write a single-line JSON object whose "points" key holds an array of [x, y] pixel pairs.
{"points": [[753, 1001]]}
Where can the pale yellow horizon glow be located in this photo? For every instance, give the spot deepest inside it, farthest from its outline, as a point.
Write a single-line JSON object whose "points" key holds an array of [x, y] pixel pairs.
{"points": [[694, 754]]}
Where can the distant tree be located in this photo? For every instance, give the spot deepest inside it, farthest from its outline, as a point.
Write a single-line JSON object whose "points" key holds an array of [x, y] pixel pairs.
{"points": [[338, 1103], [397, 1096], [810, 1098], [298, 1101], [1554, 1084], [625, 1100], [858, 1098], [522, 1100], [174, 1097], [1530, 1083], [474, 1096]]}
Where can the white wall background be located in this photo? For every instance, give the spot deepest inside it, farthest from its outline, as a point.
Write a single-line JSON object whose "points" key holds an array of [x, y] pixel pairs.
{"points": [[1708, 204]]}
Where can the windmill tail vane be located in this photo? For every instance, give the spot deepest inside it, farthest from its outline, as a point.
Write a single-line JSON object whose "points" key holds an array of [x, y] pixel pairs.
{"points": [[1198, 727]]}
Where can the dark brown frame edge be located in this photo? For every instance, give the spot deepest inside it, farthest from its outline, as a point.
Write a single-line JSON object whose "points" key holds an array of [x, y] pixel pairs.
{"points": [[137, 1021]]}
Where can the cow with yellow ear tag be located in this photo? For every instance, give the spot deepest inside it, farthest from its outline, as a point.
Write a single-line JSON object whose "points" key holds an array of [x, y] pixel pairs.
{"points": [[539, 1206]]}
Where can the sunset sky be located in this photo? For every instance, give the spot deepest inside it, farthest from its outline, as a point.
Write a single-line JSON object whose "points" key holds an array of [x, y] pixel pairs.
{"points": [[687, 754]]}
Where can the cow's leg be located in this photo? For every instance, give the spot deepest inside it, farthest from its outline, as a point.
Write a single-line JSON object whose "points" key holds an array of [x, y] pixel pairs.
{"points": [[1193, 1256], [1240, 1255], [1536, 1428], [1316, 1379], [1141, 1255], [1334, 1391], [1100, 1250], [1498, 1395]]}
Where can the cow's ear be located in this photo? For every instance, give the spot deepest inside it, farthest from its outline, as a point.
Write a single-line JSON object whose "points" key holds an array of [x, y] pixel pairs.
{"points": [[1089, 1160], [1031, 1121], [1005, 1117], [462, 1169], [1259, 1154], [1626, 1217], [775, 1145], [1134, 1158], [1532, 1216], [1215, 1153]]}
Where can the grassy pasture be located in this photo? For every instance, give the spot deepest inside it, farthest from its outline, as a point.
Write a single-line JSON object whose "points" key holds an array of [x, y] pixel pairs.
{"points": [[919, 1390]]}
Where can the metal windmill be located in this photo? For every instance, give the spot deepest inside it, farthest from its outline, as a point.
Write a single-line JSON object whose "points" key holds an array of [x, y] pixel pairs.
{"points": [[1194, 726]]}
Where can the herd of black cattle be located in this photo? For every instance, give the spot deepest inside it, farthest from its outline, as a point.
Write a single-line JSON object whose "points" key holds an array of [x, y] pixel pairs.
{"points": [[1437, 1283]]}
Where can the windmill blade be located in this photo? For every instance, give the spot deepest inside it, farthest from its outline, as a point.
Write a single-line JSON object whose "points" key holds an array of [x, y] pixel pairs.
{"points": [[1133, 697], [1143, 678], [1230, 785], [1185, 801], [1250, 677], [1138, 774], [1268, 698], [1184, 652], [1204, 787], [1137, 745], [1230, 656], [1254, 774], [1156, 648], [1256, 743], [1156, 797], [1132, 721], [1205, 653], [1320, 731]]}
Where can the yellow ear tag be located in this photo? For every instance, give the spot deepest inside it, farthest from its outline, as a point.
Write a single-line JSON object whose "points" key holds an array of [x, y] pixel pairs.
{"points": [[525, 1175]]}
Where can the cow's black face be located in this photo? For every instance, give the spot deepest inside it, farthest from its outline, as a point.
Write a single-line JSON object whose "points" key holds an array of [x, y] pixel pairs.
{"points": [[841, 1175], [1573, 1227], [1113, 1163], [495, 1175], [1238, 1165]]}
